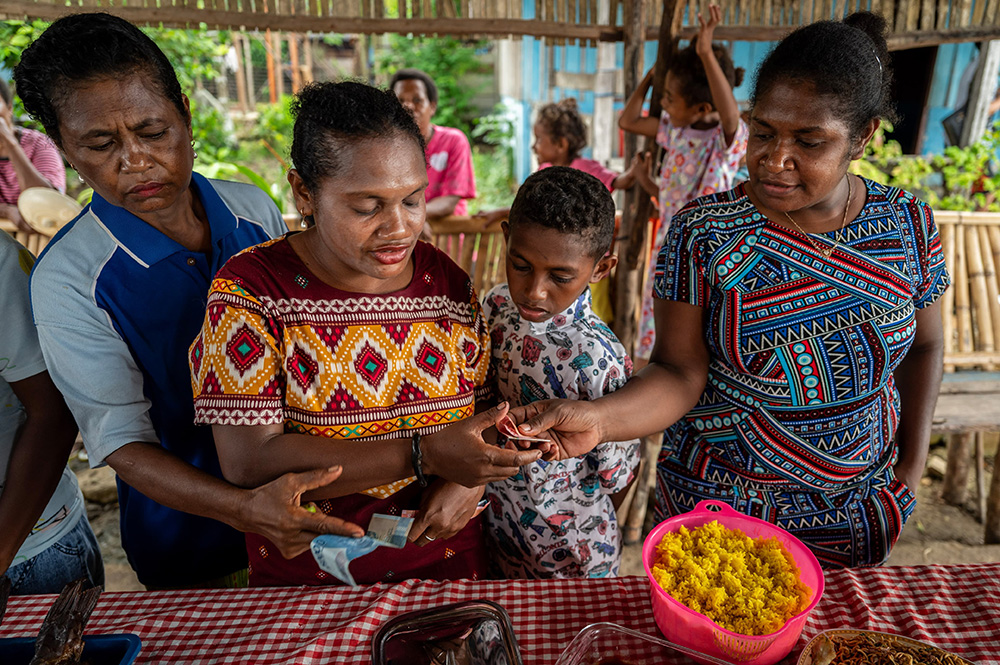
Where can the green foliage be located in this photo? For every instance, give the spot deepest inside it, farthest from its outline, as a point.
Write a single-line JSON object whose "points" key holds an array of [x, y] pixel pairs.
{"points": [[493, 162], [15, 36], [960, 179], [447, 60], [193, 53]]}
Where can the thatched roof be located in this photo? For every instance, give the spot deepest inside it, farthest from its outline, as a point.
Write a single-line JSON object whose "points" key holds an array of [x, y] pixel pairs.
{"points": [[914, 22]]}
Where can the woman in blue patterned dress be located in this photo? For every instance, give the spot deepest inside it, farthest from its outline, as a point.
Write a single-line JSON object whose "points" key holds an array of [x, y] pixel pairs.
{"points": [[799, 345]]}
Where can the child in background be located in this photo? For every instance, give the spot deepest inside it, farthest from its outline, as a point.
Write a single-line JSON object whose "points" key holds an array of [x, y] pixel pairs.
{"points": [[701, 132], [556, 519]]}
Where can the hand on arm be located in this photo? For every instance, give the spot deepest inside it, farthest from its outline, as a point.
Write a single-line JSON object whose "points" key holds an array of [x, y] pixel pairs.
{"points": [[722, 92], [37, 460], [631, 118], [627, 179], [442, 206], [273, 510], [655, 398], [918, 380], [492, 217]]}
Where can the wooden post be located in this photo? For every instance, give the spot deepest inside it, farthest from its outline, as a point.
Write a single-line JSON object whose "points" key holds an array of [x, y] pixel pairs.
{"points": [[604, 128], [981, 93], [248, 65], [241, 83], [272, 90], [307, 65], [956, 477], [991, 531], [293, 55], [635, 219], [279, 73], [981, 474]]}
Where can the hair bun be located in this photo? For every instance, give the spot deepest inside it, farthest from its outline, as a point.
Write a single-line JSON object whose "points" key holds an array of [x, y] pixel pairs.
{"points": [[871, 24], [569, 104]]}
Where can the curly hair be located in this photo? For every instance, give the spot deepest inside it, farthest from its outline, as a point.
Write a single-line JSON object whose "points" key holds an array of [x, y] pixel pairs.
{"points": [[416, 75], [687, 68], [83, 47], [847, 61], [329, 116], [561, 120], [569, 201]]}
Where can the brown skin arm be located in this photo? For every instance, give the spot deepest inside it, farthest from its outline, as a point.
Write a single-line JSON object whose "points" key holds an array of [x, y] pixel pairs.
{"points": [[655, 398], [918, 380], [631, 118], [37, 460], [272, 510], [442, 206], [255, 454], [722, 93]]}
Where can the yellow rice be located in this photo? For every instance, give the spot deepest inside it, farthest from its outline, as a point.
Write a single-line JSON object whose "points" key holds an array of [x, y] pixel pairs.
{"points": [[746, 585]]}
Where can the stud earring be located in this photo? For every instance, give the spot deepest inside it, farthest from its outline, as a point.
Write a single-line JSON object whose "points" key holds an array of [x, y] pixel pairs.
{"points": [[193, 143]]}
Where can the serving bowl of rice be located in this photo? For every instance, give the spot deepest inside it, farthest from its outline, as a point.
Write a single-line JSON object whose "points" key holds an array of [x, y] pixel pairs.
{"points": [[729, 585]]}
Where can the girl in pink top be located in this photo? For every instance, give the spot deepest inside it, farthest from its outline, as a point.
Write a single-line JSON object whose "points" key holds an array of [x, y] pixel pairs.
{"points": [[560, 135], [701, 133]]}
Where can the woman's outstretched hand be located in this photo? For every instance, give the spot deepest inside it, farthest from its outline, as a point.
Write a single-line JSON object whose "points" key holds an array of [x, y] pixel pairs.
{"points": [[459, 453], [572, 425], [275, 511]]}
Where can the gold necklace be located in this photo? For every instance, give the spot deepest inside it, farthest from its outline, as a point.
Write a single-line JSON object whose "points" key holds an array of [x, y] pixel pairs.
{"points": [[827, 251]]}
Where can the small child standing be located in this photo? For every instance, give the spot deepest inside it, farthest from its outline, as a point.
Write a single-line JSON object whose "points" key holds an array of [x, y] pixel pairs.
{"points": [[701, 132], [556, 519]]}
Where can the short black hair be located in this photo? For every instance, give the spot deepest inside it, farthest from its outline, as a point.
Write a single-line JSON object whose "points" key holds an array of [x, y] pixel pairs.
{"points": [[83, 47], [569, 201], [847, 61], [329, 115], [687, 68], [5, 93], [562, 121], [416, 75]]}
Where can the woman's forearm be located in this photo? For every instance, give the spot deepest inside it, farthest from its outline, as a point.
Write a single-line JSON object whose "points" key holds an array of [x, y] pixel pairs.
{"points": [[631, 118], [655, 398], [27, 174], [722, 96]]}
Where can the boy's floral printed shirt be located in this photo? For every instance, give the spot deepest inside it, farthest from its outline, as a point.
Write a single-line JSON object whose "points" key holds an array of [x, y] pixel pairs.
{"points": [[555, 519]]}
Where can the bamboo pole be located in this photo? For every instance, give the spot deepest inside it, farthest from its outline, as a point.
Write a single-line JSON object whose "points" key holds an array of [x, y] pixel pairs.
{"points": [[241, 84], [990, 241], [947, 232], [293, 55], [956, 476], [272, 90], [961, 286], [982, 329]]}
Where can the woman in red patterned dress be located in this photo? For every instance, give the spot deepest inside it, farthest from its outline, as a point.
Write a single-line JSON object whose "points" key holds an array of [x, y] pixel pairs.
{"points": [[353, 344]]}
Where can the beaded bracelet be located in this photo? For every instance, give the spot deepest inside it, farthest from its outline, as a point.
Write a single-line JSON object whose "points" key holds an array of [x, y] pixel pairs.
{"points": [[417, 458]]}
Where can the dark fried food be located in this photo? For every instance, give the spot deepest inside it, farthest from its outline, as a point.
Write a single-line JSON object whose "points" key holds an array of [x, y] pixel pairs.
{"points": [[875, 649], [60, 641]]}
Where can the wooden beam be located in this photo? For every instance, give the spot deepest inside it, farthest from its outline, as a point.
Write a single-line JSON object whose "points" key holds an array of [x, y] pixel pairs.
{"points": [[189, 18]]}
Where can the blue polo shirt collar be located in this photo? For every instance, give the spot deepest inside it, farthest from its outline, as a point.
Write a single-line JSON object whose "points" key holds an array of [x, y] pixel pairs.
{"points": [[148, 245]]}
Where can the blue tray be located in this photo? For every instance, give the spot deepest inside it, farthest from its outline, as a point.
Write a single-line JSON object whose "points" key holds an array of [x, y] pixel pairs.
{"points": [[119, 649]]}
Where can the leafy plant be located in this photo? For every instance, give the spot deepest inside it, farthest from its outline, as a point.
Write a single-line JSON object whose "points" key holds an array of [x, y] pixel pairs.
{"points": [[959, 179]]}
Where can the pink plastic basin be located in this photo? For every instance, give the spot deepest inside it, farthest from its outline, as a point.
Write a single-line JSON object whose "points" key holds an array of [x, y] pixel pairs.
{"points": [[684, 626]]}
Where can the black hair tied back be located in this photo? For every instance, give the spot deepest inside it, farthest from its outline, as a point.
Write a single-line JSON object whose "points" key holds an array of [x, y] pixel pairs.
{"points": [[847, 61], [330, 116]]}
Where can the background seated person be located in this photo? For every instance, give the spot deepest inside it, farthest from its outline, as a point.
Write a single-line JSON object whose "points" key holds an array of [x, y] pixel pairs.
{"points": [[450, 178], [27, 159]]}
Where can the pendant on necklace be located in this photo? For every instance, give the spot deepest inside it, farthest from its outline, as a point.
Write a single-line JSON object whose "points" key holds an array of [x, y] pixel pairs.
{"points": [[827, 252]]}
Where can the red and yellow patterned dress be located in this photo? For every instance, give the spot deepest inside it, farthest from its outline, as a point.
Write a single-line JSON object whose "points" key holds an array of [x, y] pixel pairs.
{"points": [[280, 346]]}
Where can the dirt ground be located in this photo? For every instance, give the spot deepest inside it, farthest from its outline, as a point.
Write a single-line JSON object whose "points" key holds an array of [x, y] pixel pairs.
{"points": [[936, 533]]}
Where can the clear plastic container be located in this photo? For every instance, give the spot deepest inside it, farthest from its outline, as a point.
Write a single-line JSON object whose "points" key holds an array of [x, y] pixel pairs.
{"points": [[611, 644]]}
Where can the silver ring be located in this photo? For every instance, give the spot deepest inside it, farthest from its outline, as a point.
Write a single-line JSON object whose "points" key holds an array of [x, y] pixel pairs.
{"points": [[428, 537]]}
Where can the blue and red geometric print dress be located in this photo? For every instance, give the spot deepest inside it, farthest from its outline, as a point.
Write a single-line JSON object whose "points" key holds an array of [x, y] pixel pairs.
{"points": [[797, 419]]}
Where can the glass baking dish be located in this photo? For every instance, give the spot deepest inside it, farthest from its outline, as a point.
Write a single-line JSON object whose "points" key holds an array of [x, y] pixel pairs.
{"points": [[611, 644]]}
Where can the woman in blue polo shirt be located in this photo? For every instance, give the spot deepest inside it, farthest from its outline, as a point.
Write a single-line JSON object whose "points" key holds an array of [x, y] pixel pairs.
{"points": [[120, 293]]}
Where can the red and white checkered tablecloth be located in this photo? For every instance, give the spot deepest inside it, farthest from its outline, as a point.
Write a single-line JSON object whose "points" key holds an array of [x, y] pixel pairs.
{"points": [[955, 607]]}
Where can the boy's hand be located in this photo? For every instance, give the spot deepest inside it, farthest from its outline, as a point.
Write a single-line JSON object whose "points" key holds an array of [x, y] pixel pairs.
{"points": [[707, 29]]}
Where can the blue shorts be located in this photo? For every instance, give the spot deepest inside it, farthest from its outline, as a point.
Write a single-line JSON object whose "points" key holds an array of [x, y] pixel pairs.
{"points": [[73, 556]]}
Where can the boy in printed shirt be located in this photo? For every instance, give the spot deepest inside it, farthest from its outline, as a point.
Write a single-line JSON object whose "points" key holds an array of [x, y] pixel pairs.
{"points": [[556, 519]]}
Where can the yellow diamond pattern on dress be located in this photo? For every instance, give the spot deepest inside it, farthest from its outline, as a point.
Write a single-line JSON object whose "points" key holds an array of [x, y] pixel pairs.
{"points": [[385, 491]]}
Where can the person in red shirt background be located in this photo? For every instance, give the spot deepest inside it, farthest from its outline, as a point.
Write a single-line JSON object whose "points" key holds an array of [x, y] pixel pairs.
{"points": [[27, 159], [449, 158]]}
